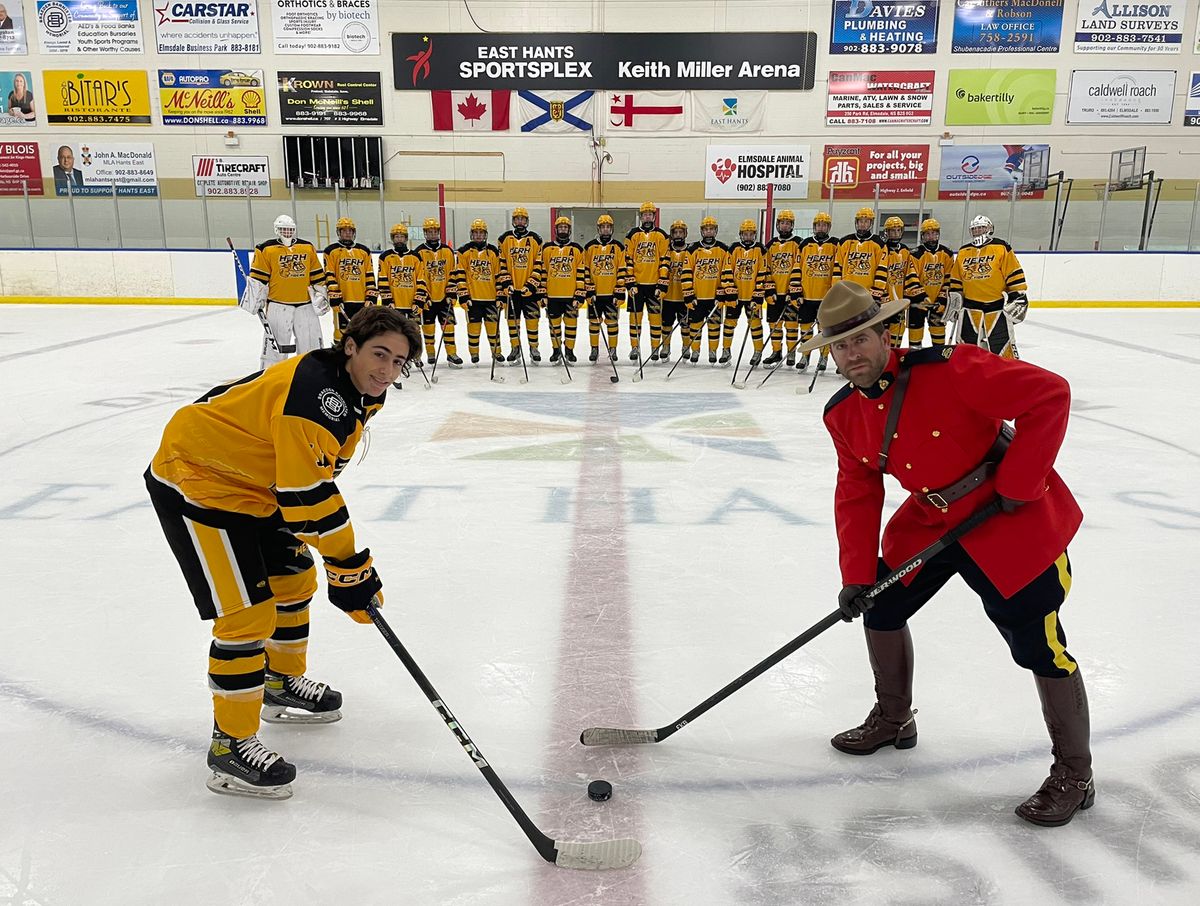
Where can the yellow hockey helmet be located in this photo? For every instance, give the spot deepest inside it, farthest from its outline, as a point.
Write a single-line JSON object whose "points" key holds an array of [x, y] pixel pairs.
{"points": [[678, 225], [345, 223], [560, 221], [400, 228], [479, 224], [520, 212], [868, 213], [431, 223], [604, 219], [930, 224], [786, 214], [822, 217], [708, 221], [647, 208], [749, 225], [893, 223]]}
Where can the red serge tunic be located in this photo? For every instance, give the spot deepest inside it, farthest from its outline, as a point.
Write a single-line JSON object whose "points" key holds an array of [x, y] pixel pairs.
{"points": [[957, 400]]}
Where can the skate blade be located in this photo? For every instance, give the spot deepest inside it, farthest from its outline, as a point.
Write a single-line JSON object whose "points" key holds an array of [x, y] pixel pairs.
{"points": [[227, 785], [281, 714]]}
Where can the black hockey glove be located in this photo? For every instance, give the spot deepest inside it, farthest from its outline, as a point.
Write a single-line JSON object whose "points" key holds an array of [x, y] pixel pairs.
{"points": [[353, 583], [852, 603]]}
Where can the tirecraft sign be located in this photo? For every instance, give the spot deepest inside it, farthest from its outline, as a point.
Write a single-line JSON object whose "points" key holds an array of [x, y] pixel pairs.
{"points": [[528, 61], [240, 175], [745, 171]]}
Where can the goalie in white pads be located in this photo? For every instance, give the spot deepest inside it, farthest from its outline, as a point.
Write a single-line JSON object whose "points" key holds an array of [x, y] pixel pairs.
{"points": [[987, 281]]}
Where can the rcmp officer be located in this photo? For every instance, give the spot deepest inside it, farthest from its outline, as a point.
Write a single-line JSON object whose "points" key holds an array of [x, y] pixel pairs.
{"points": [[953, 455]]}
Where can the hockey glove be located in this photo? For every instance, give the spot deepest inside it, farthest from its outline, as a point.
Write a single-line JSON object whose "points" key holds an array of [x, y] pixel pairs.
{"points": [[353, 584], [319, 296], [954, 304], [852, 603], [254, 299], [1016, 307]]}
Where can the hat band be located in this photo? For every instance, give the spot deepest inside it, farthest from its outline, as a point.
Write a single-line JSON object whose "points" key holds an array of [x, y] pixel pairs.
{"points": [[851, 323]]}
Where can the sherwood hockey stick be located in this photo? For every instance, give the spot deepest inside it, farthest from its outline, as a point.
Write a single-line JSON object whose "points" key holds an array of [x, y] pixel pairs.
{"points": [[262, 315], [611, 736], [599, 855]]}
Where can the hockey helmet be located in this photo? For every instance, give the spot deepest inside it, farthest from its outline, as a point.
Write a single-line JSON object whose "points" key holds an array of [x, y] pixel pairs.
{"points": [[431, 223], [865, 214], [399, 228], [562, 227], [931, 232], [285, 229], [479, 226], [893, 223], [604, 226], [647, 208], [982, 231], [678, 225], [930, 223], [345, 223], [748, 225], [786, 214], [822, 217], [520, 212], [604, 219], [708, 221]]}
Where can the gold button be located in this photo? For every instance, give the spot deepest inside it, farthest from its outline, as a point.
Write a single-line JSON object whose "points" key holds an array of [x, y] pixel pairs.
{"points": [[865, 459], [945, 509], [908, 465], [883, 385], [937, 433], [924, 490], [894, 436], [881, 405]]}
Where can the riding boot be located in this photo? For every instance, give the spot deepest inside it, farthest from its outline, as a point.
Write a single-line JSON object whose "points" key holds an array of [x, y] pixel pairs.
{"points": [[890, 722], [1070, 787]]}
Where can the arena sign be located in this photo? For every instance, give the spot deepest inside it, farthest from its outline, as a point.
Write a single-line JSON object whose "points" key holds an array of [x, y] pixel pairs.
{"points": [[784, 61]]}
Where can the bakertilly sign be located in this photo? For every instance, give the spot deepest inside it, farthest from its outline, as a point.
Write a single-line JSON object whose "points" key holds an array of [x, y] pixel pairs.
{"points": [[783, 61]]}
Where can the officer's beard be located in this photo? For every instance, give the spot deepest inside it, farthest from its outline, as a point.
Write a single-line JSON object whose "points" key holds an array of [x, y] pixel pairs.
{"points": [[931, 245], [400, 247], [820, 237]]}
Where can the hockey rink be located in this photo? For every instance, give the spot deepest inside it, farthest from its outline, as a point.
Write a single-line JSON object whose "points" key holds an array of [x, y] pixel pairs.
{"points": [[557, 557]]}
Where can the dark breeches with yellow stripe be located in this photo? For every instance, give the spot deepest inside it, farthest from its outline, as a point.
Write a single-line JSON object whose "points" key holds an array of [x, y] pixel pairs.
{"points": [[1028, 621]]}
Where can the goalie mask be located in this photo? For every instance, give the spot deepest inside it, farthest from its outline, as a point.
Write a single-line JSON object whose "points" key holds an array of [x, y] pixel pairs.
{"points": [[285, 229], [562, 229], [346, 231], [982, 231]]}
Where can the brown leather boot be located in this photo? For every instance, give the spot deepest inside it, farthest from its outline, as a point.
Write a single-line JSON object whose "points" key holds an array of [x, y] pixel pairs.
{"points": [[1069, 788], [890, 722]]}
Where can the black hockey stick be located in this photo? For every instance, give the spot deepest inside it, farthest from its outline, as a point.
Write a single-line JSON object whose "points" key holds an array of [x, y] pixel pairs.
{"points": [[262, 315], [662, 341], [437, 353], [818, 370], [780, 363], [557, 342], [611, 736], [601, 854], [741, 352], [602, 326], [494, 346]]}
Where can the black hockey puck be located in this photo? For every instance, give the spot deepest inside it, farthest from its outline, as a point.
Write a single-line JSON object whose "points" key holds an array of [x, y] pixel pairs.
{"points": [[599, 790]]}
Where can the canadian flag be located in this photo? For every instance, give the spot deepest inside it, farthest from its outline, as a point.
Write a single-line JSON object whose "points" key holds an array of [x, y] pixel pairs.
{"points": [[486, 111]]}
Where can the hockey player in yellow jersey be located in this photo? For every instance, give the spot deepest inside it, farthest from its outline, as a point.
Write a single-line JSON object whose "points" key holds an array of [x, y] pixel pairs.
{"points": [[991, 284], [811, 279], [243, 483], [899, 277], [781, 309], [402, 280], [349, 275], [559, 279], [519, 247], [678, 298], [604, 275], [860, 256], [287, 286], [646, 251], [933, 262], [712, 285], [482, 283], [748, 263], [440, 268]]}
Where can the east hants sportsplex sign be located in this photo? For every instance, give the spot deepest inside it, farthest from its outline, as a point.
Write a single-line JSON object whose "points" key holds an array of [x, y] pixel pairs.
{"points": [[782, 61]]}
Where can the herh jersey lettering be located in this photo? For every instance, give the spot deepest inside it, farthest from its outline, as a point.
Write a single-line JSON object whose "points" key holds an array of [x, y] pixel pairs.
{"points": [[679, 276], [350, 273], [402, 278], [520, 254], [288, 271], [749, 267], [604, 267], [933, 270], [860, 260], [482, 275], [711, 273], [439, 271], [813, 274], [781, 257], [560, 270], [984, 275], [647, 251]]}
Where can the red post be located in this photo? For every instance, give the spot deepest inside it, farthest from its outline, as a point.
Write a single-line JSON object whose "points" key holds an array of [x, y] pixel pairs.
{"points": [[442, 208], [770, 224]]}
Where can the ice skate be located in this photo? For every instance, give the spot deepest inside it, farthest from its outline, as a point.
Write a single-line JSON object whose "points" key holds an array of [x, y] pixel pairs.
{"points": [[712, 358], [756, 359], [475, 358], [695, 357], [514, 354], [570, 354], [245, 767], [635, 354], [595, 354], [773, 359], [791, 358], [556, 356], [454, 361], [726, 355], [534, 355], [803, 363], [612, 354], [299, 700]]}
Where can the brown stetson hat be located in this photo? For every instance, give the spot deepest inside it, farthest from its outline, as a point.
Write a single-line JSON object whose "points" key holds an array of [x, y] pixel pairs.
{"points": [[846, 309]]}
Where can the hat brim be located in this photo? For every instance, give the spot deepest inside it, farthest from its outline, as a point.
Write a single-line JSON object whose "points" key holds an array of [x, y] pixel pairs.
{"points": [[886, 311]]}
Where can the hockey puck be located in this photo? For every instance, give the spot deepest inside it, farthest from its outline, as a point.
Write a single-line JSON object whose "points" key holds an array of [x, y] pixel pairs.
{"points": [[599, 790]]}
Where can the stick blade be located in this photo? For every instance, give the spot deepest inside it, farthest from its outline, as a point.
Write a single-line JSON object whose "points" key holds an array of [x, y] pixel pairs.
{"points": [[611, 736], [598, 856]]}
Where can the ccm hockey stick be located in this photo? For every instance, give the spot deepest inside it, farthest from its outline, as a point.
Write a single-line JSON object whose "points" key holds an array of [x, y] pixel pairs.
{"points": [[611, 736], [599, 855], [262, 315]]}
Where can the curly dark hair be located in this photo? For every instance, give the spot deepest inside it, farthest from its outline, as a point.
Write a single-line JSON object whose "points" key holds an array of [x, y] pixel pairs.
{"points": [[373, 320]]}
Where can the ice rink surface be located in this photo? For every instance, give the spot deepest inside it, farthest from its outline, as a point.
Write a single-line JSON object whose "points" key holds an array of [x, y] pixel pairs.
{"points": [[557, 557]]}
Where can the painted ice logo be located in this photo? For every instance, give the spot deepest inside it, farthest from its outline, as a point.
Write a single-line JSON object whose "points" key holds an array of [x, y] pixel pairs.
{"points": [[723, 168], [420, 61], [333, 407]]}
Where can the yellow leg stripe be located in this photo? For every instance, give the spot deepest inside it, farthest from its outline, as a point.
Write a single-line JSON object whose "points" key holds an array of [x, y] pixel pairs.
{"points": [[216, 558], [1061, 661], [1064, 575]]}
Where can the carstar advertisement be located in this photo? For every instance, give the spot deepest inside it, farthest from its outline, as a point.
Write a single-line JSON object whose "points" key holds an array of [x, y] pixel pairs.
{"points": [[872, 27], [206, 27], [853, 171], [97, 97], [874, 98], [330, 98], [1002, 26], [1121, 97], [239, 175], [325, 26], [20, 166], [89, 26], [212, 97], [94, 168], [1000, 97], [1121, 27], [989, 171], [745, 171]]}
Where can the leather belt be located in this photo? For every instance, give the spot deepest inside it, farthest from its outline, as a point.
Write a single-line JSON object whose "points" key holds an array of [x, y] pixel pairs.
{"points": [[943, 497]]}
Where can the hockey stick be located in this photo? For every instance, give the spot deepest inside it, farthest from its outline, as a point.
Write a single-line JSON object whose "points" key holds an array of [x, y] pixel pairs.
{"points": [[557, 342], [495, 348], [686, 354], [262, 315], [818, 369], [611, 736], [662, 341], [437, 353], [741, 352], [602, 326], [599, 855]]}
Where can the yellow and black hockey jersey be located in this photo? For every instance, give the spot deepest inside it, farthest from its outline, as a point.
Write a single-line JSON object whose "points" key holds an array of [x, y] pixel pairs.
{"points": [[605, 271], [898, 277], [813, 274], [560, 271], [349, 273], [288, 270], [984, 275], [402, 279], [440, 271], [646, 251], [275, 440], [679, 276], [933, 270], [712, 275], [482, 276], [781, 259], [860, 261], [520, 254], [750, 271]]}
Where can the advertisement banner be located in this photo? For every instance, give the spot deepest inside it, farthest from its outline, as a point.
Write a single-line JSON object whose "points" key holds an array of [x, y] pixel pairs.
{"points": [[12, 35], [1114, 25], [989, 171], [240, 175], [1191, 106], [325, 26], [99, 97], [20, 161], [330, 98], [89, 26], [724, 111], [873, 98], [212, 97], [853, 171], [1001, 26], [93, 168], [864, 27], [1121, 97], [744, 171], [598, 61], [207, 27], [1000, 97], [19, 108]]}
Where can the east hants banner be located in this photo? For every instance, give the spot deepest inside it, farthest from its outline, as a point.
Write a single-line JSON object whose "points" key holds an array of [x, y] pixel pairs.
{"points": [[96, 168], [853, 171], [611, 61], [865, 27], [875, 98], [1001, 26], [212, 97]]}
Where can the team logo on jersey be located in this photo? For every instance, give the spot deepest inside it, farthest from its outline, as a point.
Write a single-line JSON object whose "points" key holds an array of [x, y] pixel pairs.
{"points": [[333, 407]]}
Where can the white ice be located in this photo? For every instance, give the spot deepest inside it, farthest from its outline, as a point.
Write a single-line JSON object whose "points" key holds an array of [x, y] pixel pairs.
{"points": [[557, 557]]}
